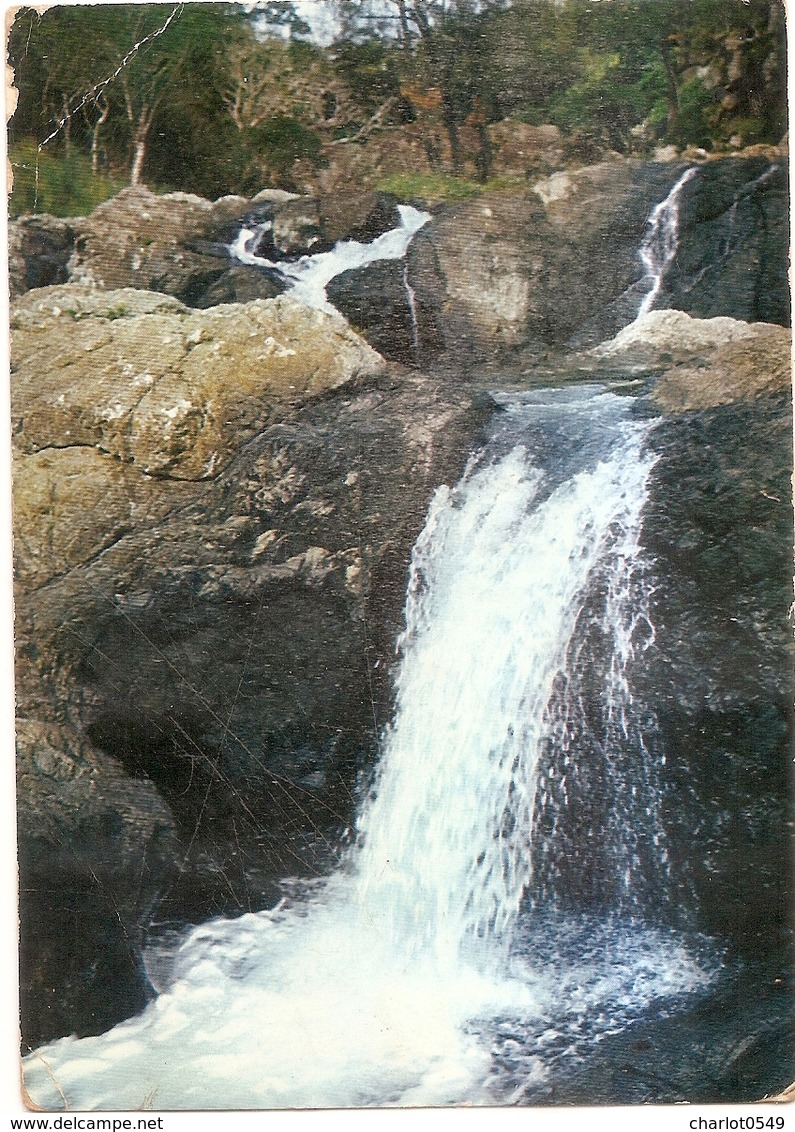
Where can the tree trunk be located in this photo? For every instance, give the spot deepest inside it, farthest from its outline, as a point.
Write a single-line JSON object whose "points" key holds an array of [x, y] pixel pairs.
{"points": [[139, 155], [105, 111], [144, 124], [448, 117]]}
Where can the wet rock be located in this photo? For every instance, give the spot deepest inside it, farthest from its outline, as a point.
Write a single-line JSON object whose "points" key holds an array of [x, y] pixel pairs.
{"points": [[701, 363], [379, 300], [297, 229], [241, 285], [719, 531], [357, 216]]}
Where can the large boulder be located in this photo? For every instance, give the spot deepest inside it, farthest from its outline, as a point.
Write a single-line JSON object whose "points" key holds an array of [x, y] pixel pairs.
{"points": [[141, 240], [478, 276], [207, 602], [702, 363], [141, 378]]}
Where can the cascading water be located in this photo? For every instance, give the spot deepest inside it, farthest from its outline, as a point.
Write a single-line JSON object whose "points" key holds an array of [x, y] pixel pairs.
{"points": [[659, 245], [309, 275], [397, 979]]}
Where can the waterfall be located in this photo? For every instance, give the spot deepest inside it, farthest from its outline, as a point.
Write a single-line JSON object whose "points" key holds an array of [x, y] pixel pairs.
{"points": [[308, 276], [498, 581], [388, 982], [661, 241]]}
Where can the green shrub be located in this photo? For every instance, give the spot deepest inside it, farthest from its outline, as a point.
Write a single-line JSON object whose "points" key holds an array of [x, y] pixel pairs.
{"points": [[751, 130], [44, 181], [691, 126], [281, 141], [610, 98]]}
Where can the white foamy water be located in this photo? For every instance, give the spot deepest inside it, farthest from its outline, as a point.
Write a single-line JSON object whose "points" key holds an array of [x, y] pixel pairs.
{"points": [[309, 275], [496, 587], [387, 983]]}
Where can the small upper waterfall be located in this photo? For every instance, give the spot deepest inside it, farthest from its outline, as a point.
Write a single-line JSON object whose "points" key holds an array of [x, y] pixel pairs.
{"points": [[387, 983], [309, 275], [661, 241]]}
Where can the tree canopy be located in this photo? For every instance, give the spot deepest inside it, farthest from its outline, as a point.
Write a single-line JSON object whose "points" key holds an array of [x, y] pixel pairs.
{"points": [[217, 98]]}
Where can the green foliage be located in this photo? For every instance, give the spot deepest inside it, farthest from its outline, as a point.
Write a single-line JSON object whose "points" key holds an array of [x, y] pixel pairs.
{"points": [[532, 56], [189, 97], [370, 71], [112, 313], [610, 98], [103, 77], [281, 141], [751, 130], [691, 125], [60, 185], [430, 187]]}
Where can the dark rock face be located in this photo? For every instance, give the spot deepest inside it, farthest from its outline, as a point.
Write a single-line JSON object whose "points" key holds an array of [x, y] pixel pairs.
{"points": [[296, 229], [719, 528], [240, 285], [357, 216], [273, 610], [733, 248], [39, 248], [96, 852], [598, 217], [378, 300]]}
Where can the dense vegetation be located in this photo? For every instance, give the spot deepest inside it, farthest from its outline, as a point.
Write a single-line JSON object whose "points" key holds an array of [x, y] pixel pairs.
{"points": [[213, 99]]}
